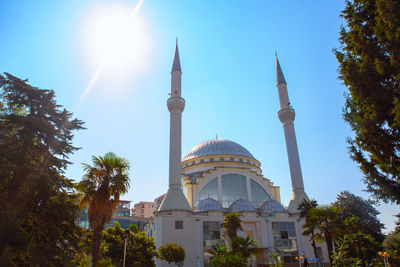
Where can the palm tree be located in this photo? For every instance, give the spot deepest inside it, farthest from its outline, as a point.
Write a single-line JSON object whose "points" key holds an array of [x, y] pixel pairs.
{"points": [[305, 206], [309, 227], [325, 219], [102, 184], [232, 223]]}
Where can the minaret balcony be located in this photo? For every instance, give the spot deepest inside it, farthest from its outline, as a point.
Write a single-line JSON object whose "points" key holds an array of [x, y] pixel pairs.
{"points": [[176, 104], [286, 115]]}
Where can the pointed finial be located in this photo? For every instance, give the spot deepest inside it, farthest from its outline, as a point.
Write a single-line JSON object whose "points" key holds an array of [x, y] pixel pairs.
{"points": [[176, 66], [279, 75]]}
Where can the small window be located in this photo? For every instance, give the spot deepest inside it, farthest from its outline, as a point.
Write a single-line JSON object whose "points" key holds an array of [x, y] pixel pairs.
{"points": [[284, 235], [179, 225], [221, 159]]}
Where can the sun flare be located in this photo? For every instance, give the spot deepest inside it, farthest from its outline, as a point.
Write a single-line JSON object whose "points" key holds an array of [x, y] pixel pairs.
{"points": [[115, 36], [116, 42]]}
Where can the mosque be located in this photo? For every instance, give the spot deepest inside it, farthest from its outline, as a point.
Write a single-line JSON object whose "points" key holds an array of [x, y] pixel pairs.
{"points": [[220, 176]]}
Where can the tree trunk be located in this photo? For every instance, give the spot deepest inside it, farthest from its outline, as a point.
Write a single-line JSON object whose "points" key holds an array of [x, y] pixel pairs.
{"points": [[97, 238], [313, 244], [315, 249], [328, 240]]}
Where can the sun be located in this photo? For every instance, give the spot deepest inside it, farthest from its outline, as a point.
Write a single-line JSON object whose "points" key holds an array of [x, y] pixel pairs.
{"points": [[115, 36]]}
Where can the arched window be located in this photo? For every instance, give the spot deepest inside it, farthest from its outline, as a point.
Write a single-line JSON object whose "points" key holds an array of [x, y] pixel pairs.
{"points": [[258, 194], [210, 190], [233, 188]]}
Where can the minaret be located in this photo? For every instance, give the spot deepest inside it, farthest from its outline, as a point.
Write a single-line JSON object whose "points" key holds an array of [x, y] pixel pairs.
{"points": [[286, 116], [175, 199]]}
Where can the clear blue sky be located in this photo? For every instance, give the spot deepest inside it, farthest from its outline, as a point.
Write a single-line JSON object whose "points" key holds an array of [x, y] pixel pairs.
{"points": [[227, 55]]}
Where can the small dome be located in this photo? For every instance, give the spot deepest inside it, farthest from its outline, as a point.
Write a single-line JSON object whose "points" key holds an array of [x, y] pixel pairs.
{"points": [[241, 205], [217, 147], [271, 206], [209, 204]]}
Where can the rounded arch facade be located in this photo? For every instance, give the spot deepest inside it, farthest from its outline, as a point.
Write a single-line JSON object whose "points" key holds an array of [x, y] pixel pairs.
{"points": [[227, 186]]}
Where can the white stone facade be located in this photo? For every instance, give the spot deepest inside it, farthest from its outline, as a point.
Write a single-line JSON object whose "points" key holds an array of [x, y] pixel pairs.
{"points": [[220, 176]]}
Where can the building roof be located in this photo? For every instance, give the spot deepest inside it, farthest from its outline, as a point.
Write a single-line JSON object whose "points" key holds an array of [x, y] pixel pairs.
{"points": [[209, 204], [176, 66], [241, 205], [271, 206], [217, 147], [279, 75]]}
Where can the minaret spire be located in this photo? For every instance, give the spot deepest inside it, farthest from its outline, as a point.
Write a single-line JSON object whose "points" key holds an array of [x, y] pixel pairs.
{"points": [[175, 199], [286, 115], [279, 75], [176, 66]]}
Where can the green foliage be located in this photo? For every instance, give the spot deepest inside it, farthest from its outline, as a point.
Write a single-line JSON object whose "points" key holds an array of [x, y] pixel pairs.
{"points": [[229, 260], [38, 204], [83, 261], [325, 219], [172, 253], [103, 183], [133, 228], [397, 228], [354, 206], [105, 262], [244, 247], [354, 250], [369, 57], [219, 250], [241, 248], [275, 260], [392, 246], [140, 249], [85, 241], [392, 241], [304, 207], [232, 223]]}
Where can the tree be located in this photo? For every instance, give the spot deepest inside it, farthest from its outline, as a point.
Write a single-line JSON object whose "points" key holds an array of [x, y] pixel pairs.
{"points": [[218, 250], [229, 260], [397, 227], [351, 205], [140, 249], [392, 244], [326, 220], [102, 185], [244, 246], [232, 223], [172, 253], [341, 257], [362, 246], [369, 57], [38, 203], [241, 248], [392, 241], [310, 228], [304, 207]]}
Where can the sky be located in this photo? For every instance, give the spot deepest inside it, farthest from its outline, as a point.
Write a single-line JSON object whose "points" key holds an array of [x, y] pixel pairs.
{"points": [[109, 63]]}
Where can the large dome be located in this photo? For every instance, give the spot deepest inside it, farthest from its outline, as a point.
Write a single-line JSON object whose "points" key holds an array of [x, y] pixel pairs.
{"points": [[217, 147]]}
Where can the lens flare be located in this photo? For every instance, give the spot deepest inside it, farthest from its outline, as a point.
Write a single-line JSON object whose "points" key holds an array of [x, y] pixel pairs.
{"points": [[116, 41]]}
